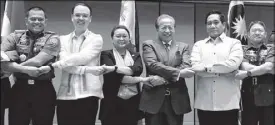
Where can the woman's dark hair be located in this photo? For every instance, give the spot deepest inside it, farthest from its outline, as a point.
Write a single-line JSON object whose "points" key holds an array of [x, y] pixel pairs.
{"points": [[119, 27]]}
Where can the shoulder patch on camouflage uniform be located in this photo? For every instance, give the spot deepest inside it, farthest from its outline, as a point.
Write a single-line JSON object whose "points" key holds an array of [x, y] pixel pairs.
{"points": [[50, 32], [53, 41]]}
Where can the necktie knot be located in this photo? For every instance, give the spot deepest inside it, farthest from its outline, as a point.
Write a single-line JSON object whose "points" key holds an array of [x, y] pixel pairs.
{"points": [[167, 46]]}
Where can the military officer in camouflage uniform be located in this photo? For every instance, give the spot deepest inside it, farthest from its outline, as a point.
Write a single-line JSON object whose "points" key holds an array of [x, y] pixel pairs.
{"points": [[6, 68], [257, 73], [32, 96]]}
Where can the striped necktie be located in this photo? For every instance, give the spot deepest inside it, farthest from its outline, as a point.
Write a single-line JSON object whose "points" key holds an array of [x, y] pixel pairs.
{"points": [[167, 46]]}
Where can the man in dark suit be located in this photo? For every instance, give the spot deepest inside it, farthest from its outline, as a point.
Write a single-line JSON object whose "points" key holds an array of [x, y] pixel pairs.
{"points": [[166, 100]]}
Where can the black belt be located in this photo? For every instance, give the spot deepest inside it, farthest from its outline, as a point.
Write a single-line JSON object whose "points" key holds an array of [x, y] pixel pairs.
{"points": [[32, 81]]}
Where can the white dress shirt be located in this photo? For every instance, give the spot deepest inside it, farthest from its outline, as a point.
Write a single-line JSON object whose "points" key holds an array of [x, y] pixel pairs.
{"points": [[76, 52], [216, 92]]}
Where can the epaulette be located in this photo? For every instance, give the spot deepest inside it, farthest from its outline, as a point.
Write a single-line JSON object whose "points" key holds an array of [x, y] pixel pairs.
{"points": [[50, 32], [270, 45], [19, 31]]}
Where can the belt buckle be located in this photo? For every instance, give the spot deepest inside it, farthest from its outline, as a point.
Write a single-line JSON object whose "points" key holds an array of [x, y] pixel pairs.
{"points": [[31, 82], [167, 92]]}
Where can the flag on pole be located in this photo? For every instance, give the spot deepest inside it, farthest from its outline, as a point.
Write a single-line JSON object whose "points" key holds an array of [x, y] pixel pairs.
{"points": [[236, 21], [5, 29], [237, 27], [13, 16], [128, 18]]}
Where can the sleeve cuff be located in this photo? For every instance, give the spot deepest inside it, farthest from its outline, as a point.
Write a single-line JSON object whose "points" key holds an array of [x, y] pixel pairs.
{"points": [[12, 55], [53, 53], [178, 78], [4, 57], [209, 68]]}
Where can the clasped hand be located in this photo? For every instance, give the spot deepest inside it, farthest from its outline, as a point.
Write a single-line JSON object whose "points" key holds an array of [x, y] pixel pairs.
{"points": [[241, 74], [153, 80], [99, 70], [187, 73], [35, 72]]}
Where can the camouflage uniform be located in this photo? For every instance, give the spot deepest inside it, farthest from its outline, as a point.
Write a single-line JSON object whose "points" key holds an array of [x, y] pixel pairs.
{"points": [[32, 97], [258, 91]]}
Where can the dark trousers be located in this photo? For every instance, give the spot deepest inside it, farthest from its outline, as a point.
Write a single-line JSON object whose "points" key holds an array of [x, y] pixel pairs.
{"points": [[120, 111], [262, 114], [5, 89], [77, 112], [166, 115], [32, 102], [229, 117], [121, 122], [253, 114]]}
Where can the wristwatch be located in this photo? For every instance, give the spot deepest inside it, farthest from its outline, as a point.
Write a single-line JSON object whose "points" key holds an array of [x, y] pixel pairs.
{"points": [[51, 66], [248, 73], [115, 69]]}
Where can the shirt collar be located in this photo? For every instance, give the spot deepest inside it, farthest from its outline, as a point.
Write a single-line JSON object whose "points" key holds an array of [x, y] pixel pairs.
{"points": [[263, 46], [30, 34], [169, 43], [221, 37], [85, 34]]}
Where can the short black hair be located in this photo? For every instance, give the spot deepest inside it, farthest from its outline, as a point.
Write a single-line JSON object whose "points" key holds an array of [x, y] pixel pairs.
{"points": [[36, 8], [119, 27], [164, 16], [256, 22], [222, 17], [82, 4]]}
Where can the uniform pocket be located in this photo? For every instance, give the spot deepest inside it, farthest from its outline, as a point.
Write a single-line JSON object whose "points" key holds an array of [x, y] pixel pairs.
{"points": [[264, 94]]}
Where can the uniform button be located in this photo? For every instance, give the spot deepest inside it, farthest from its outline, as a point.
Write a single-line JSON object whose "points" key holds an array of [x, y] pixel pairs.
{"points": [[214, 53], [214, 81]]}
